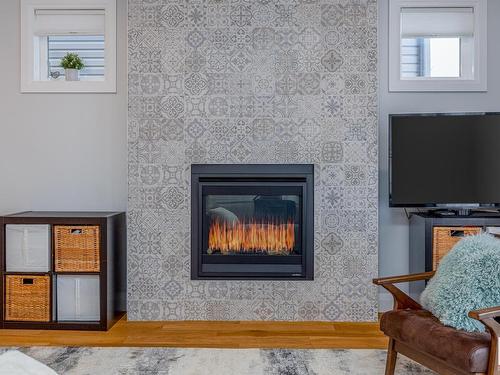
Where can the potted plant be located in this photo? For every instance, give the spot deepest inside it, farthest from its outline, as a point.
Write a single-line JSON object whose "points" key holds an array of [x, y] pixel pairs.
{"points": [[72, 64]]}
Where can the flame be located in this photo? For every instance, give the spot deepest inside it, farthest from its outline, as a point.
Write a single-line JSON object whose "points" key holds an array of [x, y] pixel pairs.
{"points": [[272, 236]]}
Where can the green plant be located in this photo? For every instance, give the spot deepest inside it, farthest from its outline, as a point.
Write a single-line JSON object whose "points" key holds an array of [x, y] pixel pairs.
{"points": [[72, 61]]}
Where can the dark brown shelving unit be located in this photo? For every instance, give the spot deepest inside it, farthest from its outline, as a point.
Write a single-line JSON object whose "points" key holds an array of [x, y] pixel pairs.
{"points": [[112, 266], [421, 239]]}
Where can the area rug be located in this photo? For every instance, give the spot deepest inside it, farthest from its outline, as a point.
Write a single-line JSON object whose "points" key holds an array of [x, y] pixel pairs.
{"points": [[165, 361]]}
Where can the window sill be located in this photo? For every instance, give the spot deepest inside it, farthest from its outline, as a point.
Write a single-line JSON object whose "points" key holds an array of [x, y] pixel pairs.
{"points": [[437, 85], [68, 87]]}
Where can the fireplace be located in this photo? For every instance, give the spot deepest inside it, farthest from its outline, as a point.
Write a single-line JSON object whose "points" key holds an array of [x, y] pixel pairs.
{"points": [[252, 221]]}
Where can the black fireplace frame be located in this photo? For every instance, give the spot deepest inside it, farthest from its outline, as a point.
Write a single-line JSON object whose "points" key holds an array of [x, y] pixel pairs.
{"points": [[252, 174]]}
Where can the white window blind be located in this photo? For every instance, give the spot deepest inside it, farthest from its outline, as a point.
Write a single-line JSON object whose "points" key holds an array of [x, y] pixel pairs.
{"points": [[412, 50], [78, 21], [432, 22], [90, 48]]}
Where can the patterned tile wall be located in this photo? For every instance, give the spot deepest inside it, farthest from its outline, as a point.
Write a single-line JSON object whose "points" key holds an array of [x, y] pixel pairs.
{"points": [[252, 81]]}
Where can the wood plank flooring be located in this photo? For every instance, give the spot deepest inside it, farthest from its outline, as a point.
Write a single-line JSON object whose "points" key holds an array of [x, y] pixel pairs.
{"points": [[210, 334]]}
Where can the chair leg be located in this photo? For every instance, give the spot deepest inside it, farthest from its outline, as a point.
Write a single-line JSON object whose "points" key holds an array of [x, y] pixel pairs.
{"points": [[392, 355]]}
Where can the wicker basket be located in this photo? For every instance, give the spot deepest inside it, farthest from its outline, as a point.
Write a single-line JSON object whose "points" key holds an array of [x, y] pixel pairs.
{"points": [[444, 238], [27, 298], [76, 248]]}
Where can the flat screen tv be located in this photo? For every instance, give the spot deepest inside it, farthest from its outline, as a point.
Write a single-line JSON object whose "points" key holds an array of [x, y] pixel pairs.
{"points": [[444, 160]]}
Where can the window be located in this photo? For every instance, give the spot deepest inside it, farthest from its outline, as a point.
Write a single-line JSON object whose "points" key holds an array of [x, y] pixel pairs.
{"points": [[437, 46], [51, 30], [90, 48], [431, 57]]}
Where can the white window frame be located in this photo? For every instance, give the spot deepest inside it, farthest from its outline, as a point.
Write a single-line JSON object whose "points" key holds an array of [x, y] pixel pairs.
{"points": [[476, 83], [29, 64]]}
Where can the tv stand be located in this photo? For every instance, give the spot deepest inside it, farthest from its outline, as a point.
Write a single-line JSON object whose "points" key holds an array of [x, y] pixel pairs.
{"points": [[463, 212], [445, 212], [432, 235]]}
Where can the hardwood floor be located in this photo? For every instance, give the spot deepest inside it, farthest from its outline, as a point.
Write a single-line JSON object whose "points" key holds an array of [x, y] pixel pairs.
{"points": [[210, 334]]}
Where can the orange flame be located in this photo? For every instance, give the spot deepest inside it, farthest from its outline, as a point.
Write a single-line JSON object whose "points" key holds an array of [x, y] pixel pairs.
{"points": [[272, 236]]}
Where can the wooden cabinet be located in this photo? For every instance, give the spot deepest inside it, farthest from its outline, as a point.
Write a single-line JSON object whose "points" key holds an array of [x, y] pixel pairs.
{"points": [[81, 257]]}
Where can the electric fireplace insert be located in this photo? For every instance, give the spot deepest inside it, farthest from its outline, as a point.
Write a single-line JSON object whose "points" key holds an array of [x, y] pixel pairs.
{"points": [[252, 221]]}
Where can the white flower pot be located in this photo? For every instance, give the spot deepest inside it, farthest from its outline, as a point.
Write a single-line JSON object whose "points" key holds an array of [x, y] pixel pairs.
{"points": [[72, 74]]}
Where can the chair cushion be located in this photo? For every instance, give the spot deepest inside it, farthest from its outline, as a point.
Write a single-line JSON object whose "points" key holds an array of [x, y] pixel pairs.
{"points": [[422, 331]]}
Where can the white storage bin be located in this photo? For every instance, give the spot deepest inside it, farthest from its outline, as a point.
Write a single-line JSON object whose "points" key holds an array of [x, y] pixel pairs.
{"points": [[494, 231], [27, 248], [78, 298]]}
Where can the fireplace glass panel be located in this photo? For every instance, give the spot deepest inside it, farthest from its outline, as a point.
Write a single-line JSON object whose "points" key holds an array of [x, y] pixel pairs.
{"points": [[252, 221]]}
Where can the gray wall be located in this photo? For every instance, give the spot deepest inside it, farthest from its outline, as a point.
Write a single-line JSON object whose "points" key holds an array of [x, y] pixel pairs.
{"points": [[393, 230], [60, 151], [253, 82], [48, 163]]}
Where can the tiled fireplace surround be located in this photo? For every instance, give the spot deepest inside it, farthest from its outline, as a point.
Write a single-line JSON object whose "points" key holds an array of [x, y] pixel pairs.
{"points": [[252, 81]]}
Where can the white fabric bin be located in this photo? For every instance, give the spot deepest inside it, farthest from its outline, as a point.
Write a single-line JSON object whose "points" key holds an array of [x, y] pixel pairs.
{"points": [[27, 248], [494, 231], [78, 298]]}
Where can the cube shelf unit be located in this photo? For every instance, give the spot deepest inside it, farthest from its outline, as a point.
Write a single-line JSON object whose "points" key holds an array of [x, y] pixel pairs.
{"points": [[86, 300]]}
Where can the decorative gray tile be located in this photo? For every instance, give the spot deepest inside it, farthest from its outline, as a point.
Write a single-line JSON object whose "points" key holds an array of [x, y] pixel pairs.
{"points": [[195, 38], [332, 243], [150, 174], [286, 61], [285, 14], [172, 129], [332, 152], [238, 81], [172, 15], [220, 39], [196, 128], [332, 15], [172, 289], [149, 130], [218, 14], [195, 61], [332, 61], [240, 60], [217, 310], [150, 310], [197, 14], [263, 38], [173, 84], [241, 14], [172, 106], [264, 86]]}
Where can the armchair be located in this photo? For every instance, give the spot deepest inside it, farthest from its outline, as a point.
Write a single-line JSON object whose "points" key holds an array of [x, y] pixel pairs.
{"points": [[417, 334]]}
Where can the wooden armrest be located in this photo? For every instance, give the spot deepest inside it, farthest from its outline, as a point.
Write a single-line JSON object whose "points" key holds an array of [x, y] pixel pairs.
{"points": [[404, 278], [401, 299], [487, 317], [491, 312]]}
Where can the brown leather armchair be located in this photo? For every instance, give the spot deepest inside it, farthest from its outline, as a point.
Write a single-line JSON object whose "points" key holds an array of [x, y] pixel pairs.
{"points": [[417, 334]]}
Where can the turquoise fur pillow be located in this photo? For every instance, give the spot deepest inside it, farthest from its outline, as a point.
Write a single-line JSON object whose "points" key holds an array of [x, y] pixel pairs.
{"points": [[468, 278]]}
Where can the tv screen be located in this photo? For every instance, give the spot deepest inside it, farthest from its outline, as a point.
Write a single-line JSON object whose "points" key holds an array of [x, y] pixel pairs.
{"points": [[444, 159]]}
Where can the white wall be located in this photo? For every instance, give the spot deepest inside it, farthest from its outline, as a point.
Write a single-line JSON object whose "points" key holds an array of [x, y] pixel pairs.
{"points": [[393, 231], [60, 151]]}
